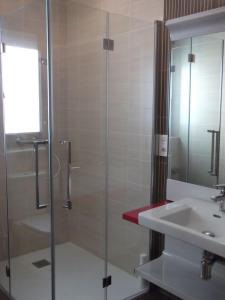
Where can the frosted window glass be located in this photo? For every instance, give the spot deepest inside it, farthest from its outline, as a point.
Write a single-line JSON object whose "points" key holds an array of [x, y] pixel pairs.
{"points": [[20, 76]]}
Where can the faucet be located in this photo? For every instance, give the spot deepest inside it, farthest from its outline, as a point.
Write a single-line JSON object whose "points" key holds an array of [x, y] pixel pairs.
{"points": [[207, 262], [221, 197]]}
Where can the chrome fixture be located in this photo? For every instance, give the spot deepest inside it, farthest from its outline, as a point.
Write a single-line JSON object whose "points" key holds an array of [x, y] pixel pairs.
{"points": [[32, 141], [215, 151], [209, 233], [207, 262], [221, 197], [68, 203], [35, 142]]}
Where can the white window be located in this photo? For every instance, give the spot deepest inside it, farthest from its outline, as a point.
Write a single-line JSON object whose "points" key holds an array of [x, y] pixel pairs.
{"points": [[20, 79]]}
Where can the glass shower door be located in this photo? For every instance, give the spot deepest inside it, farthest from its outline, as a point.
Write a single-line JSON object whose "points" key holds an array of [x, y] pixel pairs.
{"points": [[4, 245], [91, 244], [79, 85], [102, 84], [130, 100], [25, 105]]}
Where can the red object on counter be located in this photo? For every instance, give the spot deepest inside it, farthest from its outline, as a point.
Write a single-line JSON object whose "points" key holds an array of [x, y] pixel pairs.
{"points": [[132, 215]]}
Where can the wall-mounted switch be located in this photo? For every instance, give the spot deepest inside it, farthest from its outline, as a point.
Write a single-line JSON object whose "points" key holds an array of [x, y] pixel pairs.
{"points": [[162, 145]]}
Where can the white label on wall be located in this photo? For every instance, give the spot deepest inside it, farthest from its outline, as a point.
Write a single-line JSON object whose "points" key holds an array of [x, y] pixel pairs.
{"points": [[162, 145]]}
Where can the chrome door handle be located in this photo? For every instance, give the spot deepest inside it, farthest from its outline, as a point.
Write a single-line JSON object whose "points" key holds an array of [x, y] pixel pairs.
{"points": [[217, 157], [36, 152], [212, 151], [215, 151], [68, 203], [35, 143]]}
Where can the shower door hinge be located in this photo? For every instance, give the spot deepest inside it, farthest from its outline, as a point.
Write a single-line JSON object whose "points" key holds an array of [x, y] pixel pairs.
{"points": [[7, 271], [172, 68], [2, 49], [43, 61], [108, 44], [191, 58], [107, 281]]}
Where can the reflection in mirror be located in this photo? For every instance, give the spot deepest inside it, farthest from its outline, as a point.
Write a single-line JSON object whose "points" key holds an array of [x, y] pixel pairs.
{"points": [[196, 104]]}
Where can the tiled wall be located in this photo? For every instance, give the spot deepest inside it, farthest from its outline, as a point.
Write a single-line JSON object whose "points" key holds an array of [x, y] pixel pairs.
{"points": [[86, 127], [130, 134], [79, 114], [130, 89], [20, 188], [140, 9], [29, 20]]}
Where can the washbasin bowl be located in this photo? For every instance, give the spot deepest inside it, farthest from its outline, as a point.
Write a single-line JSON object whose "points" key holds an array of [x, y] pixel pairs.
{"points": [[195, 221]]}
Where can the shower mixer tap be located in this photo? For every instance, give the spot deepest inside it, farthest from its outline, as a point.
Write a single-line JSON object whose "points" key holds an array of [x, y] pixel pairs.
{"points": [[221, 197]]}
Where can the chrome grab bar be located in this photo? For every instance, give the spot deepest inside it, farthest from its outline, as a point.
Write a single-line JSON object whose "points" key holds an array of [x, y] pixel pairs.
{"points": [[35, 143], [215, 151], [68, 203]]}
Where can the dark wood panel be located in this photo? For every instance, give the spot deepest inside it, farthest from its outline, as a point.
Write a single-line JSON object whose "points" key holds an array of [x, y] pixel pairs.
{"points": [[179, 8], [160, 164], [161, 109]]}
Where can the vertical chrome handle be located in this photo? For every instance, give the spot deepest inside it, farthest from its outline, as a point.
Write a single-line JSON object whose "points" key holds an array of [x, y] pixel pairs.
{"points": [[215, 145], [36, 152], [217, 156], [68, 203], [212, 151], [35, 143]]}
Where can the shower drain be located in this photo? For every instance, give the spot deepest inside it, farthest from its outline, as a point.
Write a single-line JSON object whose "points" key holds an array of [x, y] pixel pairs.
{"points": [[41, 263], [209, 233]]}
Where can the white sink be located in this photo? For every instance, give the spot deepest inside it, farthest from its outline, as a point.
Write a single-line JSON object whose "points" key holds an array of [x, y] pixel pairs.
{"points": [[186, 220]]}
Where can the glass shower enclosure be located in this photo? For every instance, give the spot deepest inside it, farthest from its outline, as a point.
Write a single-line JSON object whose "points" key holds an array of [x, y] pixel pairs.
{"points": [[76, 111]]}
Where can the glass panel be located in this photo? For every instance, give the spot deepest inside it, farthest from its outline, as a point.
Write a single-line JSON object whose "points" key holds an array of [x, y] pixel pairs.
{"points": [[222, 130], [129, 129], [79, 83], [195, 111], [23, 32], [205, 109], [4, 250], [179, 110]]}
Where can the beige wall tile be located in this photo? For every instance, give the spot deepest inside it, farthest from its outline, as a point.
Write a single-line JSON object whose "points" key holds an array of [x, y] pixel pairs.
{"points": [[140, 9], [79, 114]]}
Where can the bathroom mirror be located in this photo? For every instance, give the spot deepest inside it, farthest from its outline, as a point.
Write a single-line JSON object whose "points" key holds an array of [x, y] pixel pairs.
{"points": [[197, 100]]}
